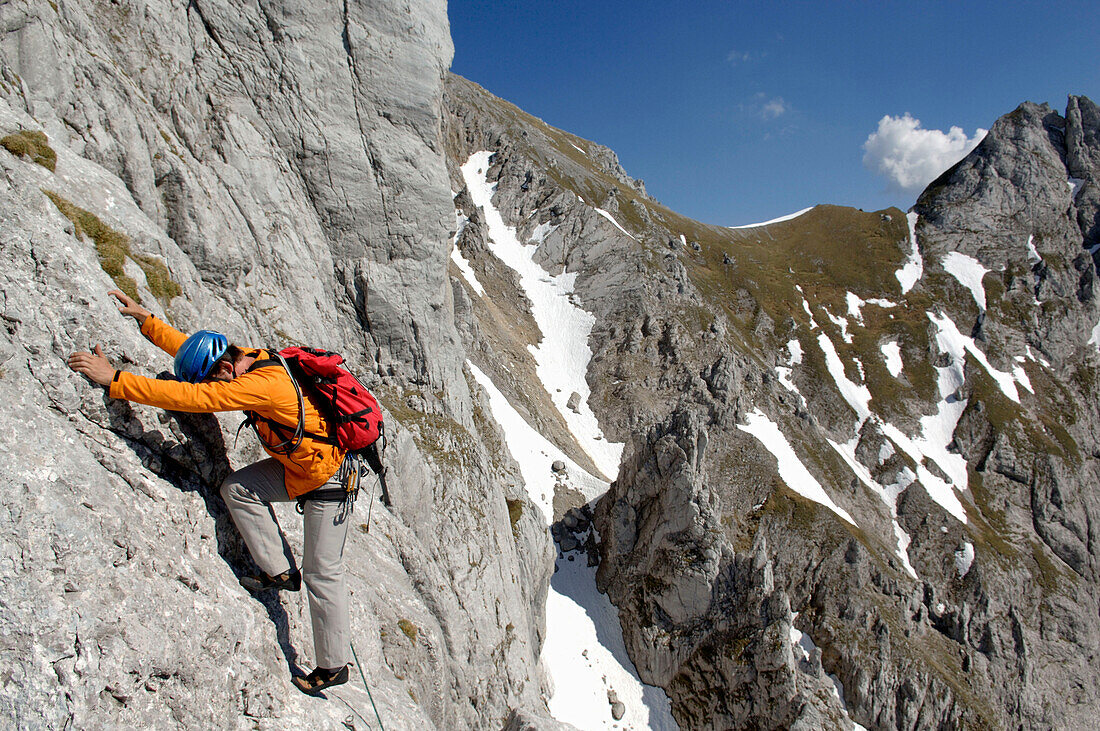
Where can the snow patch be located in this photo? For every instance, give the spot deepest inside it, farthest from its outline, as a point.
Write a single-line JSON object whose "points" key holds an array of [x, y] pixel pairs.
{"points": [[841, 323], [1095, 338], [1031, 356], [1032, 252], [913, 269], [794, 347], [460, 261], [562, 356], [1020, 375], [964, 558], [791, 469], [542, 231], [857, 396], [904, 540], [951, 341], [781, 219], [1074, 186], [611, 218], [891, 351], [785, 373], [855, 307], [806, 307], [969, 272], [785, 376]]}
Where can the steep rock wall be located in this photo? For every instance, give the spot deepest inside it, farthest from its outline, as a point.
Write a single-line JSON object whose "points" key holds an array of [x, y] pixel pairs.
{"points": [[281, 164]]}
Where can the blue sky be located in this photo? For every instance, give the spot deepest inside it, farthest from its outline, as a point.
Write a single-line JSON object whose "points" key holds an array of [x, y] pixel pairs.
{"points": [[737, 112]]}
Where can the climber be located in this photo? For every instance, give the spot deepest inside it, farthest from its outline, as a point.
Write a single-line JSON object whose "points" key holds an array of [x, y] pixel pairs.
{"points": [[216, 376]]}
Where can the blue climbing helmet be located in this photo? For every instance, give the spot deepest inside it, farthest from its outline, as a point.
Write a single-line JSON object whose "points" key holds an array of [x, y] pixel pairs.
{"points": [[198, 354]]}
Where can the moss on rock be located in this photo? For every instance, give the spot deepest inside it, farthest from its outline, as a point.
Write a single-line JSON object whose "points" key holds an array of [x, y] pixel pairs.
{"points": [[113, 248], [32, 143], [411, 630], [515, 512]]}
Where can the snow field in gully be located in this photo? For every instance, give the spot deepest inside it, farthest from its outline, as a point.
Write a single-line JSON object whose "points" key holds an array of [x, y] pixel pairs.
{"points": [[562, 356], [584, 654]]}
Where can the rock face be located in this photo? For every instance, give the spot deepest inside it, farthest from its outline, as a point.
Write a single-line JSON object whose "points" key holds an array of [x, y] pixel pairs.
{"points": [[721, 642], [276, 172], [848, 450], [861, 446], [1025, 205]]}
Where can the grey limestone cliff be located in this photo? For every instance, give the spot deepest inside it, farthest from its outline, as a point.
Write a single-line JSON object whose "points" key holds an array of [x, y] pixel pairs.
{"points": [[859, 480], [275, 171]]}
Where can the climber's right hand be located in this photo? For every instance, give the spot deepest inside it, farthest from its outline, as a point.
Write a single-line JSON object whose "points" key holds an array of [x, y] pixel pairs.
{"points": [[130, 307], [94, 365]]}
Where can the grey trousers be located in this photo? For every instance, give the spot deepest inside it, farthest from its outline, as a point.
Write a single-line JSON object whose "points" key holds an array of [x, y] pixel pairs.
{"points": [[249, 493]]}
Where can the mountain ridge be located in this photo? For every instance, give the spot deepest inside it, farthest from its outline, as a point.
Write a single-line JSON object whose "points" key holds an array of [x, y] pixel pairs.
{"points": [[764, 316]]}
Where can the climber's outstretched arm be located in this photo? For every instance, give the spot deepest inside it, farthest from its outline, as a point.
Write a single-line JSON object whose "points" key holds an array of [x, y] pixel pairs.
{"points": [[160, 333]]}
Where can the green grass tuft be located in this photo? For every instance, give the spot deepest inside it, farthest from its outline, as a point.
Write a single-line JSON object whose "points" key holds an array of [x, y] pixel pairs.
{"points": [[33, 144], [410, 629], [515, 512], [113, 248], [161, 284]]}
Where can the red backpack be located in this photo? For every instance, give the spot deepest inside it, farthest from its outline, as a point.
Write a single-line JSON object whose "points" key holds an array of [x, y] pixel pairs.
{"points": [[345, 402]]}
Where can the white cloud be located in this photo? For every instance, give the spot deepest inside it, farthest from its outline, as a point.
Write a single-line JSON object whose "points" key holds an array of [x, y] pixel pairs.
{"points": [[910, 157], [774, 108], [765, 107], [736, 57]]}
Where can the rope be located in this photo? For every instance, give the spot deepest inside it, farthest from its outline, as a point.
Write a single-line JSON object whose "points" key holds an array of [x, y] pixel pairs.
{"points": [[370, 507], [364, 677], [352, 709]]}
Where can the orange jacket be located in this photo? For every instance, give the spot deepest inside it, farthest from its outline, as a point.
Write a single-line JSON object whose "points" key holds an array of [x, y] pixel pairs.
{"points": [[267, 391]]}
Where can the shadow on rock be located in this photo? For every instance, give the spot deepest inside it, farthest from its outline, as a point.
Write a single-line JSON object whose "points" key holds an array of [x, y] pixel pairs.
{"points": [[199, 463]]}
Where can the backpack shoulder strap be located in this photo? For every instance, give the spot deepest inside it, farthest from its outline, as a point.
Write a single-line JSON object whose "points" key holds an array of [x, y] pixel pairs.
{"points": [[290, 444], [263, 363]]}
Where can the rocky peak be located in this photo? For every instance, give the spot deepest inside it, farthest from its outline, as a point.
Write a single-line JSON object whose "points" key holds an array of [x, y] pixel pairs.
{"points": [[860, 447], [1083, 161], [1023, 206]]}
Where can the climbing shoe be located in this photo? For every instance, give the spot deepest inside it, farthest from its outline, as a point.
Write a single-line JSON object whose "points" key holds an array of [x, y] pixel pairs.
{"points": [[320, 679], [290, 580]]}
